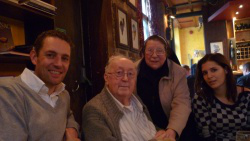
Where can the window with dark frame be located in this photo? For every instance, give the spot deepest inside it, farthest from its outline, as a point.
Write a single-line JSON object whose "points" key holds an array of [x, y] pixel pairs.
{"points": [[145, 17]]}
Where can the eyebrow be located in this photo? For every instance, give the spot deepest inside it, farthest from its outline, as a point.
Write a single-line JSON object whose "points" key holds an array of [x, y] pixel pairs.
{"points": [[52, 51], [210, 68], [123, 68]]}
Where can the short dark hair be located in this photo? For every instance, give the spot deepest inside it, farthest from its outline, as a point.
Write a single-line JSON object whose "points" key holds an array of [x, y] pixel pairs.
{"points": [[201, 87], [186, 67], [246, 66], [155, 38], [51, 33]]}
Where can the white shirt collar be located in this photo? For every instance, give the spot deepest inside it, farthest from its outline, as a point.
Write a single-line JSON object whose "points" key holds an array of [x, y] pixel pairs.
{"points": [[36, 84], [133, 99]]}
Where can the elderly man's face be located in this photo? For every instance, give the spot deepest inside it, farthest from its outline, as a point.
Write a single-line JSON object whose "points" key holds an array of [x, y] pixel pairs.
{"points": [[120, 78]]}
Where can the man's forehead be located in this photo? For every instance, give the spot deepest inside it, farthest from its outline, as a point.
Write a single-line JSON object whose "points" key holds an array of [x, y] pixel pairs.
{"points": [[53, 46], [56, 52], [122, 64]]}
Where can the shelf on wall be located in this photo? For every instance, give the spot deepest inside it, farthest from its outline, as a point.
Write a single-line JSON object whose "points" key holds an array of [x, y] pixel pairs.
{"points": [[243, 59], [16, 11], [237, 42], [244, 30], [26, 24], [34, 21], [39, 5], [242, 19], [8, 58]]}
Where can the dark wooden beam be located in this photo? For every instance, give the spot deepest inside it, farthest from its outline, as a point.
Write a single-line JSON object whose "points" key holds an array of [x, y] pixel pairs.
{"points": [[188, 4], [190, 14]]}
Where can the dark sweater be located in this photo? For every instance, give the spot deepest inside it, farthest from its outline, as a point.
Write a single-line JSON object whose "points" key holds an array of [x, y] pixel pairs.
{"points": [[148, 90]]}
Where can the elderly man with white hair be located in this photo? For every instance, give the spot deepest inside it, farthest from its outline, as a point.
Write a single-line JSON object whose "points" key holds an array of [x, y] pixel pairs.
{"points": [[116, 114]]}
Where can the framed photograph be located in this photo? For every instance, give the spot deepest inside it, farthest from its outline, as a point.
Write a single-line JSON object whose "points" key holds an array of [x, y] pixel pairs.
{"points": [[122, 28], [216, 47], [134, 34], [132, 4]]}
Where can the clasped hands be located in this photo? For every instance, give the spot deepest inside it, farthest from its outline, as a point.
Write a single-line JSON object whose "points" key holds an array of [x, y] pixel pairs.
{"points": [[165, 135], [71, 135]]}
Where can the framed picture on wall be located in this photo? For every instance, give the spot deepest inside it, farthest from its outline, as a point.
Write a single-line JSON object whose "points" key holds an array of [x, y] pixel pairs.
{"points": [[122, 28], [133, 4], [134, 34], [216, 47]]}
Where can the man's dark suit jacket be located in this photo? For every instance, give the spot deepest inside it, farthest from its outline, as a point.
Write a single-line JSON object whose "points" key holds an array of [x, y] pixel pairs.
{"points": [[244, 81]]}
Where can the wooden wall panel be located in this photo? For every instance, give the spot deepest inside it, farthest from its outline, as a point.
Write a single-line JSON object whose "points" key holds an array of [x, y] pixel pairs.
{"points": [[69, 18], [215, 32]]}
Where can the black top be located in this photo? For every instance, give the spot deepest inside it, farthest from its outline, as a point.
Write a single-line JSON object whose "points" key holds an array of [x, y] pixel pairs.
{"points": [[190, 82], [148, 90]]}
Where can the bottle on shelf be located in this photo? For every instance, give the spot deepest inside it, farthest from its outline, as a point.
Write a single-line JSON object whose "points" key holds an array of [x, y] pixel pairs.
{"points": [[242, 26]]}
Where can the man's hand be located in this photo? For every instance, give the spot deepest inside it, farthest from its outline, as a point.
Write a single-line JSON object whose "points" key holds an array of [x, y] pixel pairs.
{"points": [[170, 133], [162, 135], [71, 134]]}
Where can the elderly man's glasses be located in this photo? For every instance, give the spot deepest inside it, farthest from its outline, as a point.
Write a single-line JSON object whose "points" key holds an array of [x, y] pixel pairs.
{"points": [[157, 51], [120, 74]]}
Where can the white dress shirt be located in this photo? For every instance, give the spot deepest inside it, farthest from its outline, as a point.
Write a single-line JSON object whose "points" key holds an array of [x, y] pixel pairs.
{"points": [[134, 125], [37, 85]]}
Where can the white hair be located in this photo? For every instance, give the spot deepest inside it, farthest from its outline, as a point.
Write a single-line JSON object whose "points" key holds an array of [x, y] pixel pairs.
{"points": [[113, 58]]}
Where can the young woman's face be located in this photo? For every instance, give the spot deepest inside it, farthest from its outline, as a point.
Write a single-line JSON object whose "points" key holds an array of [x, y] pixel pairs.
{"points": [[214, 75]]}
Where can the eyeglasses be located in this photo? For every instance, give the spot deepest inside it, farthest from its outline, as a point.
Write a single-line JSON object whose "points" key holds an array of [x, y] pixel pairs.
{"points": [[120, 74], [158, 51]]}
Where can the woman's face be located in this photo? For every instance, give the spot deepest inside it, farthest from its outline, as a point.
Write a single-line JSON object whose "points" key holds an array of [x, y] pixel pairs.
{"points": [[155, 54], [214, 75]]}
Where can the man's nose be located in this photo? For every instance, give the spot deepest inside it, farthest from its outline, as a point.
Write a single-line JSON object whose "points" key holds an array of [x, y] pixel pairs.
{"points": [[125, 76], [58, 61]]}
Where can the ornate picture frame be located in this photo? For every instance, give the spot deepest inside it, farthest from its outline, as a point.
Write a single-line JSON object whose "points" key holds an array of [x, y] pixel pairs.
{"points": [[122, 28], [133, 4], [216, 47], [134, 35]]}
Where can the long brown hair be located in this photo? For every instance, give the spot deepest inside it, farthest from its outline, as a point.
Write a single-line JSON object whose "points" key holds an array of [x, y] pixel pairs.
{"points": [[201, 87]]}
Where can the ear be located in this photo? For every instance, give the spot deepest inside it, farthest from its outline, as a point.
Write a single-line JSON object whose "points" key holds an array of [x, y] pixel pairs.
{"points": [[226, 71], [105, 77], [33, 56]]}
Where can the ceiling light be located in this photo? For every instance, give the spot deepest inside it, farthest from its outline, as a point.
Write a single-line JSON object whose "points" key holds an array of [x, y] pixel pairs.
{"points": [[241, 6], [237, 13], [172, 17], [241, 67]]}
